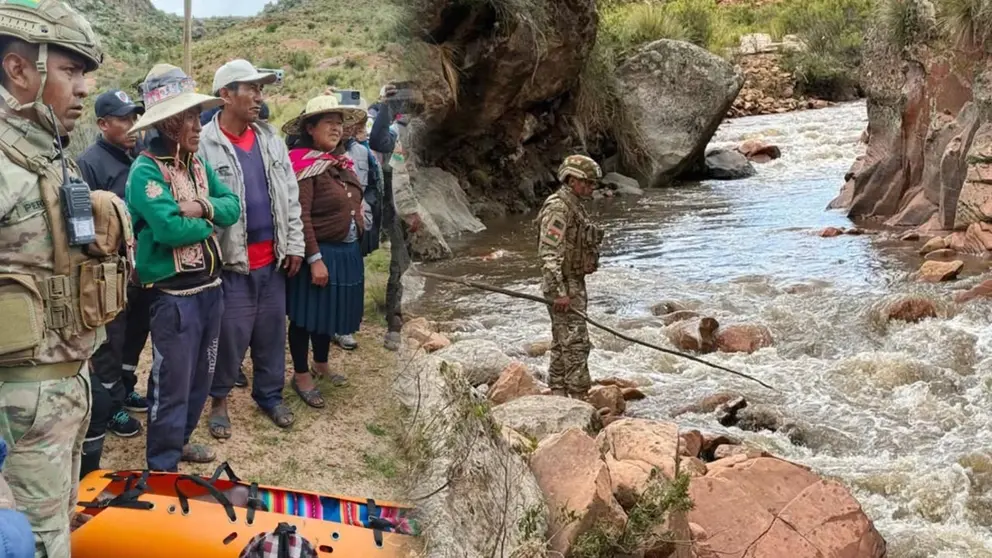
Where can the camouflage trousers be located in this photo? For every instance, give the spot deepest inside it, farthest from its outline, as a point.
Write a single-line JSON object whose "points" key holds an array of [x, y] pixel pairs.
{"points": [[44, 424], [570, 346]]}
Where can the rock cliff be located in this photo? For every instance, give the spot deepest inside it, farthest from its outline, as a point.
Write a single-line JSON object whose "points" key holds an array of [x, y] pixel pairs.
{"points": [[929, 138]]}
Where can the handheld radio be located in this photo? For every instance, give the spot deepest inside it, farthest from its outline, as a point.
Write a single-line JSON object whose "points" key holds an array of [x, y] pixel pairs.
{"points": [[77, 207]]}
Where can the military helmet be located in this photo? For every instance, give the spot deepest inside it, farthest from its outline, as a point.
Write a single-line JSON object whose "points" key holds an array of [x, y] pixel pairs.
{"points": [[50, 22], [581, 167]]}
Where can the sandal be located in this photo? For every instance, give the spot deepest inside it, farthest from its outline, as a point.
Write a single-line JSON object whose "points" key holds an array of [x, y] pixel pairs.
{"points": [[198, 453], [337, 380], [310, 397], [281, 415], [220, 426]]}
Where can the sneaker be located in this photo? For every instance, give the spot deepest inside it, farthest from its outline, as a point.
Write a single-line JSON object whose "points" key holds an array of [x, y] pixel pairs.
{"points": [[242, 380], [135, 403], [392, 341], [124, 425], [346, 342]]}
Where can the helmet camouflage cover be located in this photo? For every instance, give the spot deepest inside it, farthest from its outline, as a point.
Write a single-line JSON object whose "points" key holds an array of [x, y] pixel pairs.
{"points": [[44, 23], [581, 167], [50, 22]]}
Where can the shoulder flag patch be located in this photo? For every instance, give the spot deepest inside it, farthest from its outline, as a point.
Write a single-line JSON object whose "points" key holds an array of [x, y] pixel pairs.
{"points": [[554, 231]]}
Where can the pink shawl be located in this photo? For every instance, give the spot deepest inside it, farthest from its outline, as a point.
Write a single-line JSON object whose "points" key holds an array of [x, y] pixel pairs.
{"points": [[308, 162]]}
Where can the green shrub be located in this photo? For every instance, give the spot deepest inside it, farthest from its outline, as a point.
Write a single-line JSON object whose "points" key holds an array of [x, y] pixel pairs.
{"points": [[698, 17], [271, 28], [967, 21], [300, 61], [640, 24], [907, 22]]}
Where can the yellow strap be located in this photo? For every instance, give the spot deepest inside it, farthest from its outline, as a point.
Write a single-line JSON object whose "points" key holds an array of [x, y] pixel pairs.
{"points": [[40, 372]]}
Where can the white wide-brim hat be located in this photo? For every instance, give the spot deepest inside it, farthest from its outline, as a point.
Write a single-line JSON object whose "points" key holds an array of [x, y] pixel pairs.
{"points": [[324, 104], [168, 91]]}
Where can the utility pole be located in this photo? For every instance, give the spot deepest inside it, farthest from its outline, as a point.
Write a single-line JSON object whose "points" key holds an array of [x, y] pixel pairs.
{"points": [[188, 39]]}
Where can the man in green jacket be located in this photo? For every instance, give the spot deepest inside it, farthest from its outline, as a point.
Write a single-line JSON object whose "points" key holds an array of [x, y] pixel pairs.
{"points": [[177, 201]]}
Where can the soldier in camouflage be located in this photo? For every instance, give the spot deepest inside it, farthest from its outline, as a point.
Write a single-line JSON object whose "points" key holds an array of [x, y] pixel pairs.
{"points": [[569, 250], [55, 298]]}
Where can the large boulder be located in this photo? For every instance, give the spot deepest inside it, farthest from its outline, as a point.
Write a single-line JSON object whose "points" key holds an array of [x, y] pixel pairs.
{"points": [[727, 164], [482, 360], [439, 200], [680, 93], [647, 441], [698, 335], [463, 451], [743, 338], [576, 485], [772, 508], [540, 416]]}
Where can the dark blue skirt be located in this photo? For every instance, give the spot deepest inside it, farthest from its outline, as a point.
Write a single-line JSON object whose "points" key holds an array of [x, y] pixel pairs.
{"points": [[338, 307]]}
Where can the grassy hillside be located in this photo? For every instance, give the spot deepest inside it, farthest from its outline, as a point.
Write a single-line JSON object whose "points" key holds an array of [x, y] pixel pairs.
{"points": [[316, 42]]}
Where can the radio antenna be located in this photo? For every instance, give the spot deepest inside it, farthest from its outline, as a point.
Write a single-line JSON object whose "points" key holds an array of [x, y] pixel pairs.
{"points": [[58, 141]]}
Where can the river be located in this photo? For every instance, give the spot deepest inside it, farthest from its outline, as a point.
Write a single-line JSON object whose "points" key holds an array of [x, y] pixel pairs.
{"points": [[899, 413]]}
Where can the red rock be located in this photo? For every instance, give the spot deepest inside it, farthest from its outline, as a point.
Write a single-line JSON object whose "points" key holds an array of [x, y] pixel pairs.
{"points": [[743, 338], [941, 255], [831, 232], [421, 334], [614, 381], [680, 316], [935, 272], [707, 404], [758, 151], [693, 466], [936, 243], [692, 443], [772, 508], [911, 310], [515, 381], [694, 335], [725, 450], [609, 397], [712, 441], [629, 479], [827, 516], [911, 236], [633, 394], [574, 478], [653, 442], [983, 289]]}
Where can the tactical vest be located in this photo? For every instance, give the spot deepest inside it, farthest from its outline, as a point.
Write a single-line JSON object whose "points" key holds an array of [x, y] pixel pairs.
{"points": [[54, 299], [583, 239]]}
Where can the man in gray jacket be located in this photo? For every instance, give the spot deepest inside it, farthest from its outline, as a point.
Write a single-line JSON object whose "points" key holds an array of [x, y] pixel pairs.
{"points": [[260, 251]]}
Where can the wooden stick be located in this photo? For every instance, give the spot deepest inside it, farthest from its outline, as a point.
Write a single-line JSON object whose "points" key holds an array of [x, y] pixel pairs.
{"points": [[547, 302]]}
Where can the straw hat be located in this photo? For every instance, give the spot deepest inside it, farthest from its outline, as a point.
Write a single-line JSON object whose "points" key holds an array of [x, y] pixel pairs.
{"points": [[168, 91], [324, 104]]}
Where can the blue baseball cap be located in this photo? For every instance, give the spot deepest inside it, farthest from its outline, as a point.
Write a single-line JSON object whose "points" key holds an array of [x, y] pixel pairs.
{"points": [[116, 103]]}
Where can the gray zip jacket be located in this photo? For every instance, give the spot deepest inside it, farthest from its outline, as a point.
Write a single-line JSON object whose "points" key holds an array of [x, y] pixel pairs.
{"points": [[284, 191]]}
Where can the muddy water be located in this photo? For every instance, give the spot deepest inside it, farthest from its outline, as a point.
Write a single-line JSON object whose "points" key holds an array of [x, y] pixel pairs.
{"points": [[899, 413]]}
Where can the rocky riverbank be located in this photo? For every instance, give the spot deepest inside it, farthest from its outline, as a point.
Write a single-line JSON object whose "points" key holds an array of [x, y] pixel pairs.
{"points": [[516, 472]]}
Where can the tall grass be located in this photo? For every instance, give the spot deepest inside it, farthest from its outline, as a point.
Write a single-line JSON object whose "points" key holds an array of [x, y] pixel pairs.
{"points": [[967, 21], [908, 22]]}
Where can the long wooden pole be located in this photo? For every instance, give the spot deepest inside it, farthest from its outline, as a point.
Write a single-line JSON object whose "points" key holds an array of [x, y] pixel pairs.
{"points": [[526, 296], [188, 39]]}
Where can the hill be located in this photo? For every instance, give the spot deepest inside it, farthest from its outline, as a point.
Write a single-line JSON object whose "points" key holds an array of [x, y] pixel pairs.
{"points": [[316, 42]]}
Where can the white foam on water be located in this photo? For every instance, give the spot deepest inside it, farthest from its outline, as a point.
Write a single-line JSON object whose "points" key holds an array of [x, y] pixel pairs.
{"points": [[898, 412]]}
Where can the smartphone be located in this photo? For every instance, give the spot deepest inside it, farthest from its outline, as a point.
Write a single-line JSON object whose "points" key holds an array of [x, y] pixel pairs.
{"points": [[278, 73], [350, 97]]}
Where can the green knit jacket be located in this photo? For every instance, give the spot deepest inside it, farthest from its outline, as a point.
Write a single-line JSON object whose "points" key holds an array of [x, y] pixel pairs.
{"points": [[168, 243]]}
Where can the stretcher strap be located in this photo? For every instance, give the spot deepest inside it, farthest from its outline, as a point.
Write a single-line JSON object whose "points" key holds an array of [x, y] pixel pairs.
{"points": [[224, 467], [254, 502], [221, 499], [377, 522], [126, 499], [283, 531]]}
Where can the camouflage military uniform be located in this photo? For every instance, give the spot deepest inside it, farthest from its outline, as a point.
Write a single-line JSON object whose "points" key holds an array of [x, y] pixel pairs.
{"points": [[54, 298], [569, 250]]}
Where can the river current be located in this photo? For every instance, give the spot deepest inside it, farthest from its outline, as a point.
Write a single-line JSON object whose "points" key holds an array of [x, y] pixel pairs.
{"points": [[900, 413]]}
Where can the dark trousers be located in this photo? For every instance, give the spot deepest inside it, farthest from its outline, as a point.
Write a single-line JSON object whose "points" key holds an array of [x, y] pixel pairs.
{"points": [[100, 416], [185, 331], [115, 362], [255, 317], [139, 301], [299, 347]]}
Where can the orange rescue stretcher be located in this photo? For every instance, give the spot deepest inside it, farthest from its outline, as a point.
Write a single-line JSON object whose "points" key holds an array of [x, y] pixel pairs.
{"points": [[164, 515]]}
